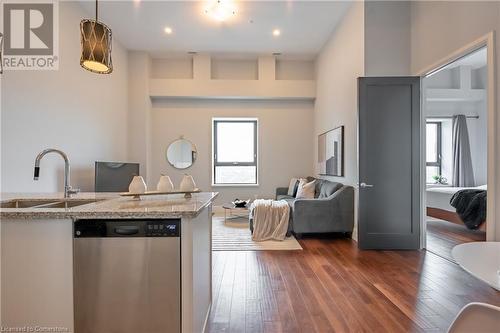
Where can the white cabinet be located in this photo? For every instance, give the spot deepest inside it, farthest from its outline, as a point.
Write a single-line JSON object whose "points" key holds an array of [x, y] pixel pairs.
{"points": [[196, 271], [37, 273]]}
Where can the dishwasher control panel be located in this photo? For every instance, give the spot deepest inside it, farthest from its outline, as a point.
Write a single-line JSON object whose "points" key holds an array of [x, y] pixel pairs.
{"points": [[93, 228], [162, 228]]}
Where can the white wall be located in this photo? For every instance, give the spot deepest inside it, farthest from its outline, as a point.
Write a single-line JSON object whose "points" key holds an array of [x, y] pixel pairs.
{"points": [[234, 69], [338, 66], [285, 125], [440, 28], [82, 113], [139, 111], [373, 39], [172, 68], [295, 70], [387, 38], [285, 131]]}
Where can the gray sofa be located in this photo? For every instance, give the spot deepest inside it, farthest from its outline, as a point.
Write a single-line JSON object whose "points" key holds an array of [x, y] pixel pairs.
{"points": [[332, 209]]}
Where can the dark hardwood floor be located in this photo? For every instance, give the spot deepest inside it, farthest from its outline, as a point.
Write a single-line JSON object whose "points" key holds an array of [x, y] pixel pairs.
{"points": [[442, 236], [331, 286]]}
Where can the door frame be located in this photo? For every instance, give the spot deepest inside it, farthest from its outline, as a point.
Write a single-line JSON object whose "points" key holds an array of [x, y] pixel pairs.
{"points": [[487, 41]]}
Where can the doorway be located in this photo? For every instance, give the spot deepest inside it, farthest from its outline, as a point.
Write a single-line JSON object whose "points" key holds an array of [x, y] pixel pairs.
{"points": [[456, 111]]}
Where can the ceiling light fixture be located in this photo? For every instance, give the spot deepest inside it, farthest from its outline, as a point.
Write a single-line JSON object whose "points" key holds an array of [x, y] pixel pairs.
{"points": [[276, 32], [168, 30], [96, 45], [220, 10]]}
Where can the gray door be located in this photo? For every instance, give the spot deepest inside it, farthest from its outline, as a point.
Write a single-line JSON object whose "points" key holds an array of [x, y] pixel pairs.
{"points": [[389, 163]]}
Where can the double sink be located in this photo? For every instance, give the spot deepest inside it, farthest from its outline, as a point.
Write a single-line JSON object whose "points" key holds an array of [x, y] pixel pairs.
{"points": [[46, 203]]}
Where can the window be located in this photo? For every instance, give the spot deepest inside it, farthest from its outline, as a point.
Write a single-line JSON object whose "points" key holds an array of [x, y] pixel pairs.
{"points": [[234, 151], [433, 151]]}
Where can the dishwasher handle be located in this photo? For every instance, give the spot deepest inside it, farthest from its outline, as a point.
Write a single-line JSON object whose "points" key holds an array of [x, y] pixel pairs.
{"points": [[127, 230]]}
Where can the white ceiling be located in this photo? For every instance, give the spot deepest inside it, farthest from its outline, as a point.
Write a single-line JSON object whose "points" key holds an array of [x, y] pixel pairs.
{"points": [[139, 25]]}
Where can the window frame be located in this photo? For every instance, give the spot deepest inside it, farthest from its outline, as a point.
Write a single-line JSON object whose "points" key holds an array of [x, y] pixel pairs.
{"points": [[439, 134], [255, 161]]}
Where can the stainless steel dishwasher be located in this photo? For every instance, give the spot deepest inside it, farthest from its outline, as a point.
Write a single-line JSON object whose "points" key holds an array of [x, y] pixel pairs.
{"points": [[127, 276]]}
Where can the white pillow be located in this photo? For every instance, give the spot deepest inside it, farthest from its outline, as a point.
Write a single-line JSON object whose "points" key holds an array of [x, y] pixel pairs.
{"points": [[306, 190], [291, 187]]}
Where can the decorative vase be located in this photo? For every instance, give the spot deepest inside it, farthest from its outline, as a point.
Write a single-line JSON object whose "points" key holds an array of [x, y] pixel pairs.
{"points": [[187, 183], [165, 184], [137, 185]]}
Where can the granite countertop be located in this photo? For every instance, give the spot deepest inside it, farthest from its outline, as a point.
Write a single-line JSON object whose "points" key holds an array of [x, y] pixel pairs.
{"points": [[107, 205]]}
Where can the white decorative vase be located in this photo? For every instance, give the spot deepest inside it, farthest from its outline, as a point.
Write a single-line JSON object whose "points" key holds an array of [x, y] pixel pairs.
{"points": [[137, 185], [165, 184], [187, 183]]}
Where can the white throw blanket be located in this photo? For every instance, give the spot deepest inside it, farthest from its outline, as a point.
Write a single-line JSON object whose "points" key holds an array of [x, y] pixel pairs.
{"points": [[270, 219]]}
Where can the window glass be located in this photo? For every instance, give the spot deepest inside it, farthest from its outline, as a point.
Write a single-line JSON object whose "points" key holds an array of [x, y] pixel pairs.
{"points": [[235, 151], [433, 152], [432, 142], [235, 175], [235, 142]]}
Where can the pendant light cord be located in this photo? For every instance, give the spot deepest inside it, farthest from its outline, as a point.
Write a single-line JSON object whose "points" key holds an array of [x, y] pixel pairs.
{"points": [[96, 6]]}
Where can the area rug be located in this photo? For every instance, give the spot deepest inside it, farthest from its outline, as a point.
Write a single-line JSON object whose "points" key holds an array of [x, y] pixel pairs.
{"points": [[234, 235]]}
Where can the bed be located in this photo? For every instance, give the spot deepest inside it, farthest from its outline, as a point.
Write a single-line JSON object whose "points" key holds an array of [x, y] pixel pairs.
{"points": [[438, 203]]}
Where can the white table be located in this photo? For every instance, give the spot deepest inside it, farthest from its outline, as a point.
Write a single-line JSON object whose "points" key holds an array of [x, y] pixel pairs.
{"points": [[481, 259]]}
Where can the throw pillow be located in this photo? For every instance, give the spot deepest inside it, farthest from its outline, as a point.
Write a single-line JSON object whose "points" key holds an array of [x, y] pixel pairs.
{"points": [[292, 188], [306, 190]]}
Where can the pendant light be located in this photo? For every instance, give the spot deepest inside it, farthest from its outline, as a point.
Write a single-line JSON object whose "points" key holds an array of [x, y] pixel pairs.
{"points": [[96, 45]]}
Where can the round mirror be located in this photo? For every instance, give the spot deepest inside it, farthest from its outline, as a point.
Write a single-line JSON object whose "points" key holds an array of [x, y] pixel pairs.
{"points": [[181, 154]]}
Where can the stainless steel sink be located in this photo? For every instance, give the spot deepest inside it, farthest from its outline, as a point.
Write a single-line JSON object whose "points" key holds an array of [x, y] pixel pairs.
{"points": [[46, 203], [69, 203], [25, 203]]}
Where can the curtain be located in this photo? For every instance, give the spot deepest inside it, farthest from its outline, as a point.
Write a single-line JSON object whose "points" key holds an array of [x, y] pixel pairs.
{"points": [[463, 175]]}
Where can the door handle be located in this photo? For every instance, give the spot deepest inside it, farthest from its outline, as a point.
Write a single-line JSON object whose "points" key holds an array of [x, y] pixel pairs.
{"points": [[127, 230], [365, 185]]}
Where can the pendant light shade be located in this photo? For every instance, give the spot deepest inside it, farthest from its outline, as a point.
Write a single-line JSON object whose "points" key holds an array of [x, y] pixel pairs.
{"points": [[96, 40]]}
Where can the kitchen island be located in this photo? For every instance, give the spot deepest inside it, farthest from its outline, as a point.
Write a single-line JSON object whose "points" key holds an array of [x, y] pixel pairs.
{"points": [[41, 283]]}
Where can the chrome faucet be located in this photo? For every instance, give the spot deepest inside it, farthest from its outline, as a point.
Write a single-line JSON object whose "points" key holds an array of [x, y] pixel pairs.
{"points": [[68, 190]]}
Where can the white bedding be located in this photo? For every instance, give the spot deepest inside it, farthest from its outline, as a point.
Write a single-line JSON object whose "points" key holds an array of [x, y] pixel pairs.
{"points": [[439, 197]]}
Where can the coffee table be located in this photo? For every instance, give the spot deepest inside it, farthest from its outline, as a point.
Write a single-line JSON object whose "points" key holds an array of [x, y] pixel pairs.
{"points": [[235, 212]]}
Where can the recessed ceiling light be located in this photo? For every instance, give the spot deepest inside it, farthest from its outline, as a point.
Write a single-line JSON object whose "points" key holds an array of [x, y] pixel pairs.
{"points": [[220, 10], [168, 30], [276, 32]]}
